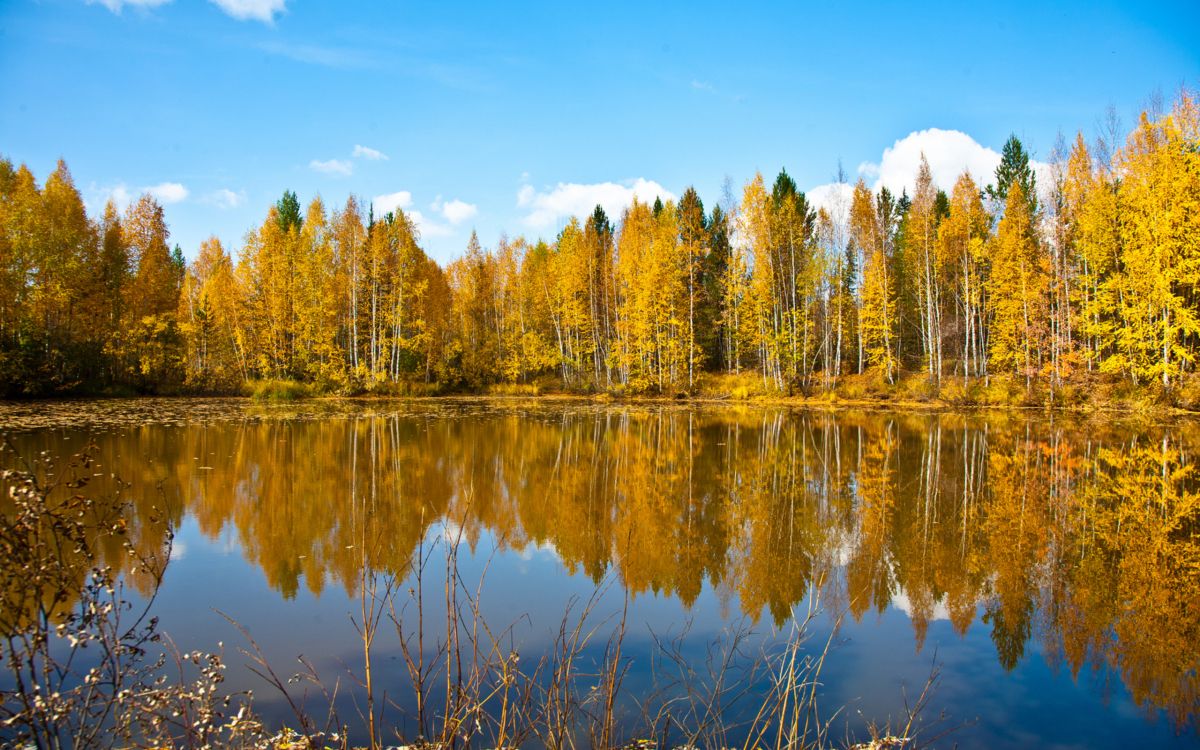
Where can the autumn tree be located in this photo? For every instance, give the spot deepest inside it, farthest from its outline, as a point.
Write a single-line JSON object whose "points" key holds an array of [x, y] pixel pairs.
{"points": [[1016, 291], [963, 238], [877, 314]]}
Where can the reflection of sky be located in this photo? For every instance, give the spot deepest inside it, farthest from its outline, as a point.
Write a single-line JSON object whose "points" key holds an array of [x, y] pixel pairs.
{"points": [[873, 665]]}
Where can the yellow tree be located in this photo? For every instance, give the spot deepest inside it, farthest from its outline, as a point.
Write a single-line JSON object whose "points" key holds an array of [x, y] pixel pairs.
{"points": [[962, 239], [409, 335], [319, 351], [922, 255], [349, 240], [265, 268], [472, 278], [762, 324], [152, 297], [209, 315], [568, 292], [878, 313], [1089, 207], [67, 297], [113, 275], [1016, 288], [1159, 199], [694, 242], [638, 316]]}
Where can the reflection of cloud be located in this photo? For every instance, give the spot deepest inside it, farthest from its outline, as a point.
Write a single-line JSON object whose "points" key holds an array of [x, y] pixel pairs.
{"points": [[568, 199], [939, 611], [179, 549], [527, 551]]}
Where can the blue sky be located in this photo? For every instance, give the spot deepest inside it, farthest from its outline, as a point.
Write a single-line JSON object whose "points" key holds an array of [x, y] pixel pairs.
{"points": [[506, 117]]}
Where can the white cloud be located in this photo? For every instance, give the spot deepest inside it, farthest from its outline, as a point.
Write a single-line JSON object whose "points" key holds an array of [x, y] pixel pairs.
{"points": [[574, 199], [427, 227], [948, 152], [167, 192], [389, 202], [123, 195], [457, 211], [116, 5], [225, 198], [702, 86], [98, 197], [364, 152], [252, 10], [332, 166], [834, 197]]}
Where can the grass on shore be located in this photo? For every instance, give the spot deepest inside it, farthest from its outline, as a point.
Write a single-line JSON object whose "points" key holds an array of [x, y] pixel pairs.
{"points": [[1085, 392]]}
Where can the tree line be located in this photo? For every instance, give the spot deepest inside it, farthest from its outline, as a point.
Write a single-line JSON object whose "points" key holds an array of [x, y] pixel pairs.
{"points": [[1094, 273]]}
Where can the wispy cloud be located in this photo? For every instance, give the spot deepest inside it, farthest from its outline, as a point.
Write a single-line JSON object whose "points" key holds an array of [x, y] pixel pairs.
{"points": [[123, 195], [96, 196], [568, 199], [116, 5], [252, 10], [329, 57], [426, 227], [242, 10], [340, 167], [702, 86], [364, 152], [224, 198]]}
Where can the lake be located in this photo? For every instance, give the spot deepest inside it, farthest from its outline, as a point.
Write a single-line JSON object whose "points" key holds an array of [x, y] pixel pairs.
{"points": [[1046, 566]]}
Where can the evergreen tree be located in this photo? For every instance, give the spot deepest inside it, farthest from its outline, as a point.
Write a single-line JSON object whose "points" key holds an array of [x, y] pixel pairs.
{"points": [[288, 212], [1014, 167]]}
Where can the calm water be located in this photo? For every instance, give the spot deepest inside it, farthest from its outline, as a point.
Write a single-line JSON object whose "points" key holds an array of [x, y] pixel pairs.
{"points": [[1051, 568]]}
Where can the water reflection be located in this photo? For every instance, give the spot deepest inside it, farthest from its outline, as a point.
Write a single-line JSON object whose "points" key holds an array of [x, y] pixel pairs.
{"points": [[1084, 541]]}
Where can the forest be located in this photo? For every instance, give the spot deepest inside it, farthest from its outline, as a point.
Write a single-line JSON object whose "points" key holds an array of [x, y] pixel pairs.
{"points": [[1043, 290]]}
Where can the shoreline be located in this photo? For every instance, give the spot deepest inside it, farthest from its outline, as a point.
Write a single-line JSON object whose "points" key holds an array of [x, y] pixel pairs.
{"points": [[823, 402]]}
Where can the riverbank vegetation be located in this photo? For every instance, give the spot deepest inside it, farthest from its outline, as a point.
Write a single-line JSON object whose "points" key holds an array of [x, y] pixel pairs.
{"points": [[1072, 287]]}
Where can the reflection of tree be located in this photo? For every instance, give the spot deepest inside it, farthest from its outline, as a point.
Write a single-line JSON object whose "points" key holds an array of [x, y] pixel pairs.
{"points": [[1016, 536], [1145, 518], [1064, 533], [869, 571]]}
